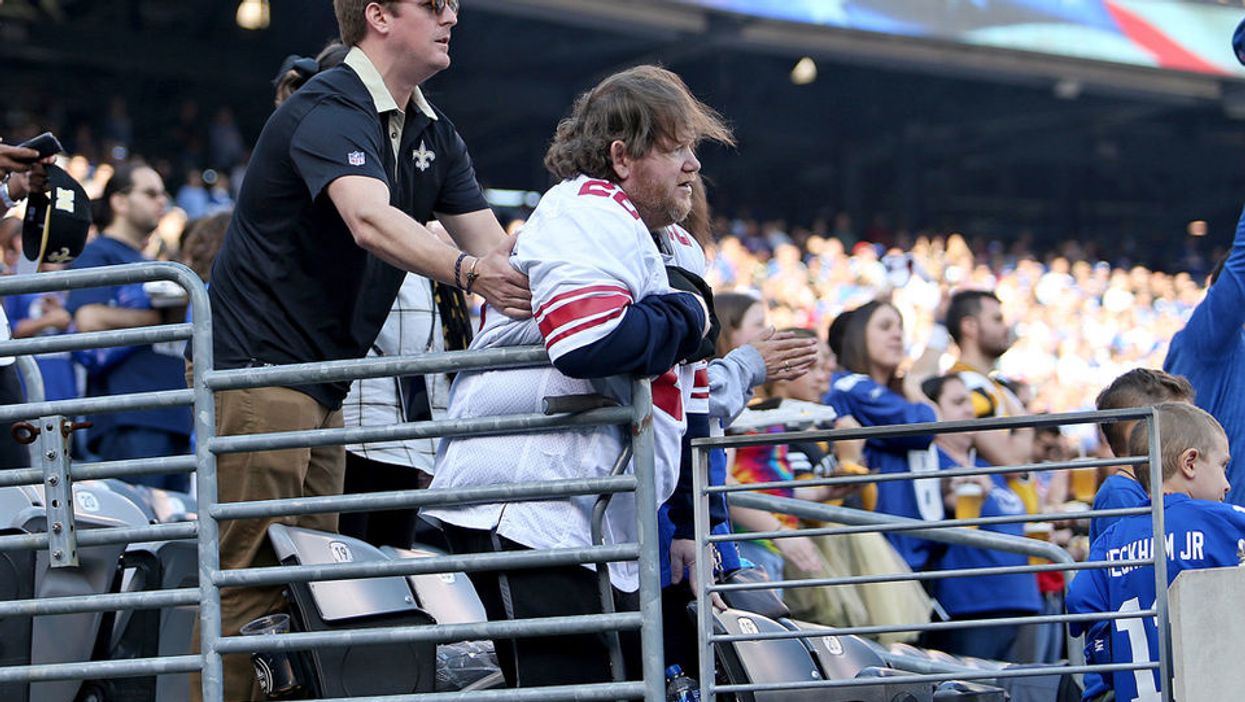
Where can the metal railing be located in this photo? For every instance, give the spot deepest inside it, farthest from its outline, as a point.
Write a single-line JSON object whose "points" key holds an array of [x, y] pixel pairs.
{"points": [[57, 473], [948, 531]]}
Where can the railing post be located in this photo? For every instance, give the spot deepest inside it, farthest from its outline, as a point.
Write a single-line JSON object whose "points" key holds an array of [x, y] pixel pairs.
{"points": [[52, 441], [1161, 621], [205, 483], [644, 453], [704, 574]]}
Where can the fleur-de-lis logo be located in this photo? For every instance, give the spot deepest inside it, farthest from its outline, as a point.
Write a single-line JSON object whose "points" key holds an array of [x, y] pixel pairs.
{"points": [[423, 157]]}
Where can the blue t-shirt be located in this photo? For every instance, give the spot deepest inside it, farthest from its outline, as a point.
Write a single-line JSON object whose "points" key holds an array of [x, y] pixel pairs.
{"points": [[1200, 534], [141, 368], [59, 380], [1117, 492], [1017, 592], [873, 404], [1210, 350]]}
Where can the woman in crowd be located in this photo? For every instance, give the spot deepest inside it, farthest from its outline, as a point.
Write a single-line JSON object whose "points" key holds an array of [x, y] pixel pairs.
{"points": [[869, 344]]}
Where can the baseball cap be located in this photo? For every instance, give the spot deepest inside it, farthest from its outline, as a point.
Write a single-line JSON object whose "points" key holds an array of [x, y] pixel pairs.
{"points": [[56, 223]]}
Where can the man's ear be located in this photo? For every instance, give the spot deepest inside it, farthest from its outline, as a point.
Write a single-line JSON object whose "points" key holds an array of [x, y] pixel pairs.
{"points": [[969, 323], [377, 16], [620, 160], [118, 210], [1188, 462]]}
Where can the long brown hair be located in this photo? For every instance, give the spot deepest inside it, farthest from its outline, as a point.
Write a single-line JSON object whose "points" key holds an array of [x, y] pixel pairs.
{"points": [[855, 354], [730, 308], [641, 107]]}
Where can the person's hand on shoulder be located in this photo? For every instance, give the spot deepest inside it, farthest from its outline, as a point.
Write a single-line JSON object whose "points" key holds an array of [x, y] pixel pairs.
{"points": [[502, 287]]}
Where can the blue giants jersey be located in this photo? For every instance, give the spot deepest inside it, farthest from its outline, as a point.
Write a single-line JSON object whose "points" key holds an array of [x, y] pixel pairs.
{"points": [[1200, 534]]}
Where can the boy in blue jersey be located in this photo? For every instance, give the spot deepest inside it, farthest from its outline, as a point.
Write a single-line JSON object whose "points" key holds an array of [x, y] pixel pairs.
{"points": [[1202, 532], [1140, 387]]}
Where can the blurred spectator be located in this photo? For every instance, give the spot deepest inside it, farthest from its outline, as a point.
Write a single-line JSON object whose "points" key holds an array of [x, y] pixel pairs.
{"points": [[44, 314], [983, 597], [225, 145], [133, 202], [799, 557], [201, 241], [192, 197]]}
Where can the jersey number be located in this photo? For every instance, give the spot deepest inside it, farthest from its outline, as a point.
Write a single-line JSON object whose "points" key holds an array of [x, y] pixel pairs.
{"points": [[1139, 643], [604, 188]]}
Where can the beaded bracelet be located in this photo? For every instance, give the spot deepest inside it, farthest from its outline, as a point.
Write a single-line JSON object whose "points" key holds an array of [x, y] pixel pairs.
{"points": [[458, 269]]}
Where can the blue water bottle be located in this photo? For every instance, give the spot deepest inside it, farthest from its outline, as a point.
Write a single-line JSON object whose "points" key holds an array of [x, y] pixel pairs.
{"points": [[679, 687]]}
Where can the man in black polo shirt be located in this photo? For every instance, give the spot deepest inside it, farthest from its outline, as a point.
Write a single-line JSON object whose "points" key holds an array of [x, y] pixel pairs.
{"points": [[328, 220]]}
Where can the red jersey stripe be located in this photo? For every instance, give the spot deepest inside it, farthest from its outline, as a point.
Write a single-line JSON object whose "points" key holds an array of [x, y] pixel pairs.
{"points": [[581, 291], [580, 310]]}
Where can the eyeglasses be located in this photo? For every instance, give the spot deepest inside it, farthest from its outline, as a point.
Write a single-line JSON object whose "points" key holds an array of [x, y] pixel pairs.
{"points": [[437, 7]]}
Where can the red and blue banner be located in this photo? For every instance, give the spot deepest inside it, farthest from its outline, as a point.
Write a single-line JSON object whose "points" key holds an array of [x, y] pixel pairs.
{"points": [[1181, 35]]}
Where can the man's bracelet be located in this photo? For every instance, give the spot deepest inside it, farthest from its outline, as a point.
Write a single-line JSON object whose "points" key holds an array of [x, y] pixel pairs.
{"points": [[7, 199], [472, 275], [458, 269]]}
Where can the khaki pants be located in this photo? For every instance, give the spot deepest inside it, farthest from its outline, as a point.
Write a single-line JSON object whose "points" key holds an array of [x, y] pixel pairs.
{"points": [[304, 472]]}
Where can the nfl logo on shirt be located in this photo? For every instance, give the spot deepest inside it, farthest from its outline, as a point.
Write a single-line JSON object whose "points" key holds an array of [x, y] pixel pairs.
{"points": [[356, 158]]}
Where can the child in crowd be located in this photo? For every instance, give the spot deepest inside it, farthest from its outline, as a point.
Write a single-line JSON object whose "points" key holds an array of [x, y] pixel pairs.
{"points": [[1140, 387], [1202, 532]]}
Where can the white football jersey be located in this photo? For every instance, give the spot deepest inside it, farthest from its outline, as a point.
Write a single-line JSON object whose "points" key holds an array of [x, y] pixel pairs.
{"points": [[588, 256]]}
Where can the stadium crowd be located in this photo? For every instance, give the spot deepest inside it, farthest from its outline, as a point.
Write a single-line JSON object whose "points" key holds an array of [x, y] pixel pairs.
{"points": [[1033, 333]]}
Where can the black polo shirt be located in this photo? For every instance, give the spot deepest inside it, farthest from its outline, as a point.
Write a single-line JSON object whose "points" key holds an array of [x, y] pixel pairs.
{"points": [[290, 285]]}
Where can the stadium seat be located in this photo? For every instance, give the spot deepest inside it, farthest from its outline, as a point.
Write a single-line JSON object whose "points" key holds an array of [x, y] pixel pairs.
{"points": [[352, 671]]}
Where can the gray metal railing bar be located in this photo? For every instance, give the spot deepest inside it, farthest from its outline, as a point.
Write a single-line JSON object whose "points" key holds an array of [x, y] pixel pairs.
{"points": [[121, 274], [436, 633], [937, 677], [921, 524], [882, 522], [944, 473], [97, 405], [425, 498], [100, 602], [106, 536], [901, 430], [481, 426], [133, 466], [81, 341], [932, 575], [602, 692], [940, 626], [21, 476], [105, 469], [280, 575], [92, 670], [357, 368]]}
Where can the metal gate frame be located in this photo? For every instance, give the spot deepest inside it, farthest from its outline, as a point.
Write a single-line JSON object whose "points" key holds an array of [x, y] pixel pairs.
{"points": [[951, 531], [59, 474]]}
